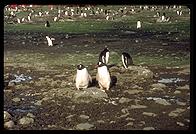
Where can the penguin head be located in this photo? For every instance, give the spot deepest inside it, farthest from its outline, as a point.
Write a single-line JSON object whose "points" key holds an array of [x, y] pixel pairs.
{"points": [[80, 67]]}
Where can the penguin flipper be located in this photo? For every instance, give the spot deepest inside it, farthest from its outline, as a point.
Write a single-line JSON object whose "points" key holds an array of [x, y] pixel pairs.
{"points": [[90, 78], [74, 78]]}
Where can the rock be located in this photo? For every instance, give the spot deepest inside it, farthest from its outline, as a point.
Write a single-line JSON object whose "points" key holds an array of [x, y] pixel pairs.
{"points": [[125, 115], [89, 94], [124, 100], [142, 72], [124, 110], [162, 101], [149, 128], [180, 124], [131, 119], [84, 126], [158, 85], [16, 99], [7, 116], [31, 115], [26, 121], [176, 112], [137, 106], [186, 87], [132, 91], [130, 124], [177, 92], [149, 114], [100, 121], [84, 116], [156, 89], [181, 103], [9, 124], [38, 103]]}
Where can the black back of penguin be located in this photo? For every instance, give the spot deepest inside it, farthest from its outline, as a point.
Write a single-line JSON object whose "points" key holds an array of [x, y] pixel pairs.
{"points": [[103, 57], [47, 24], [127, 59]]}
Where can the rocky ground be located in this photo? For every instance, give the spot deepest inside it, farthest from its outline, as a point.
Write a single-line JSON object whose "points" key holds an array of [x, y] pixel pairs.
{"points": [[144, 97]]}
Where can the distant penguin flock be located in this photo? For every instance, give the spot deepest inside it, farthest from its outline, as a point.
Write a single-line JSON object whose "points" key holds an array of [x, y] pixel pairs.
{"points": [[83, 78]]}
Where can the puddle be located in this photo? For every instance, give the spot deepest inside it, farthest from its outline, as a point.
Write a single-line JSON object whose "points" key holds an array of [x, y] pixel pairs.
{"points": [[170, 80], [21, 78], [22, 110]]}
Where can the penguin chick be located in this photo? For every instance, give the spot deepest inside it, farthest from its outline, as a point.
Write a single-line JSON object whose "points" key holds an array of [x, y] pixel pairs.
{"points": [[103, 76], [83, 79], [104, 56], [126, 60]]}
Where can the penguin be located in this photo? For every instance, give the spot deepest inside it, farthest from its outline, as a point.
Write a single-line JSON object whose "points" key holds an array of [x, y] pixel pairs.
{"points": [[104, 56], [82, 78], [103, 76], [50, 41], [126, 60], [47, 24], [139, 25]]}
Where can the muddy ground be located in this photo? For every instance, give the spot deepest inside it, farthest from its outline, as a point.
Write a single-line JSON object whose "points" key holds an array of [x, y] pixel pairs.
{"points": [[44, 97]]}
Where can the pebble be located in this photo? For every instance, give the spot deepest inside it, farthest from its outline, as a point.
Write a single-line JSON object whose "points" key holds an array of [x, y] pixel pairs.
{"points": [[132, 91], [130, 124], [31, 115], [180, 124], [186, 87], [158, 85], [137, 106], [176, 112], [84, 116], [38, 103], [124, 100], [129, 118], [124, 110], [177, 92], [162, 102], [181, 103], [149, 114], [9, 124], [26, 121], [84, 126], [149, 128], [101, 121], [7, 116], [16, 99]]}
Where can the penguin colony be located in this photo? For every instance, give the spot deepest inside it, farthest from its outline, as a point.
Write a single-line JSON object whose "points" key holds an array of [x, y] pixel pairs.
{"points": [[83, 78]]}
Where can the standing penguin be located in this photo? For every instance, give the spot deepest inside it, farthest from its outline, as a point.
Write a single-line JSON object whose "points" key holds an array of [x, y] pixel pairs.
{"points": [[139, 25], [83, 79], [50, 41], [47, 24], [126, 60], [103, 76], [104, 56]]}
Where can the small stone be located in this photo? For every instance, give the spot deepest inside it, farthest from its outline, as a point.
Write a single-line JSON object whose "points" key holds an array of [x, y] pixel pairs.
{"points": [[124, 110], [84, 116], [181, 103], [137, 106], [26, 121], [130, 124], [156, 89], [7, 116], [186, 87], [180, 124], [162, 102], [149, 128], [101, 121], [176, 112], [84, 126], [16, 99], [124, 100], [129, 118], [158, 85], [149, 114], [132, 91], [9, 124], [31, 115], [38, 103], [177, 92]]}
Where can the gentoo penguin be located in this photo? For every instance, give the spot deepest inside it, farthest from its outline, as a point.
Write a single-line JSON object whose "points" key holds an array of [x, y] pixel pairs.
{"points": [[83, 79], [47, 24], [103, 76], [126, 60], [104, 56], [49, 40], [139, 25]]}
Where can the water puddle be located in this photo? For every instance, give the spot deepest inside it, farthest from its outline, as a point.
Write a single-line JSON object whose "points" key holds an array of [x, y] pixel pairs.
{"points": [[21, 78], [22, 110], [170, 80]]}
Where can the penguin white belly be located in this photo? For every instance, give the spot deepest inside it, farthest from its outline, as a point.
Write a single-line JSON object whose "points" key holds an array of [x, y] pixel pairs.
{"points": [[82, 78], [107, 57], [104, 77]]}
